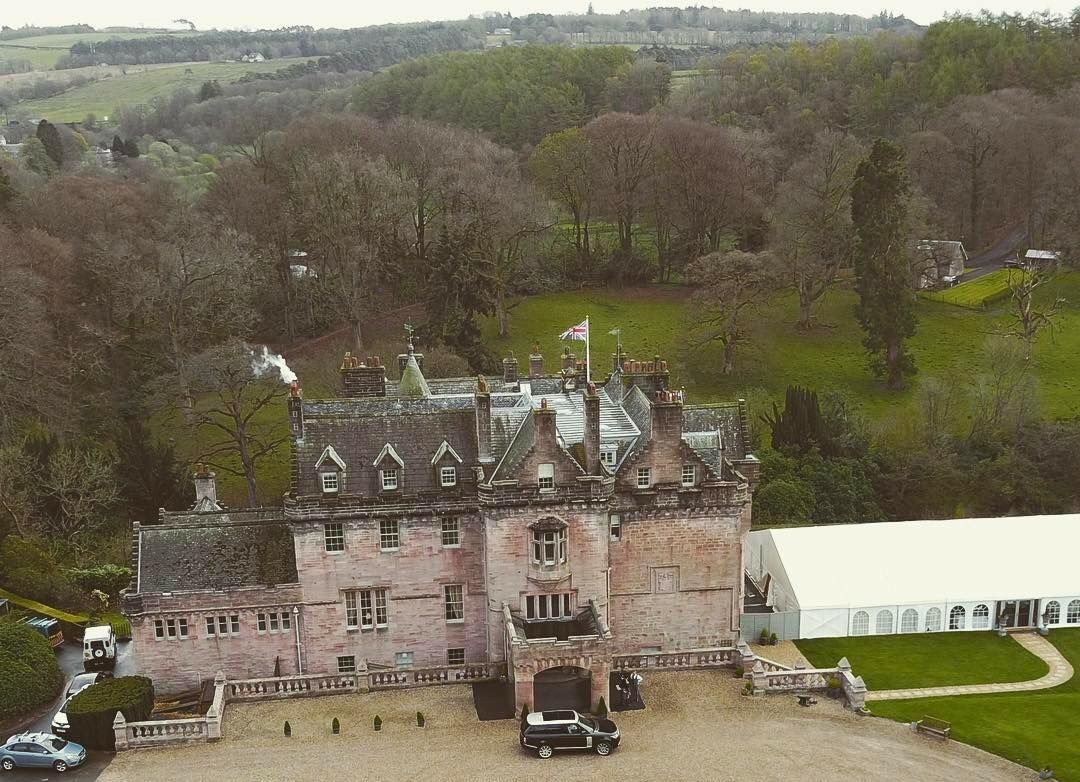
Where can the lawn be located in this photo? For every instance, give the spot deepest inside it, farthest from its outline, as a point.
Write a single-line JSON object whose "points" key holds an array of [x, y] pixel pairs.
{"points": [[1034, 729], [48, 49], [897, 662], [949, 342], [984, 291], [104, 96]]}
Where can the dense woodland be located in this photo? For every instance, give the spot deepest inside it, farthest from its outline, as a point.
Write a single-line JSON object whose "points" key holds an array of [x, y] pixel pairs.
{"points": [[275, 211]]}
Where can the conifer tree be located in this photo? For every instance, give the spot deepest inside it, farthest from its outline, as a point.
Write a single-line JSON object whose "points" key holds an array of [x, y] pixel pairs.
{"points": [[50, 137]]}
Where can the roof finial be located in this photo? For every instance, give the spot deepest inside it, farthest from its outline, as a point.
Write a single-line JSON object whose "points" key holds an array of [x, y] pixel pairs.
{"points": [[409, 329]]}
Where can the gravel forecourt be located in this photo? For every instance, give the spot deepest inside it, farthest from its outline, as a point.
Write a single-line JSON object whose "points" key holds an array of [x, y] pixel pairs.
{"points": [[696, 727]]}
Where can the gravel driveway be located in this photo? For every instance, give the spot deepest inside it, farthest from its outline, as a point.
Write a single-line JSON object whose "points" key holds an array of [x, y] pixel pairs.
{"points": [[696, 727]]}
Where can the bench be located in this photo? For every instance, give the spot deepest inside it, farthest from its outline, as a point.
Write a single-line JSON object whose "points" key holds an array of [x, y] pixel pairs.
{"points": [[934, 727]]}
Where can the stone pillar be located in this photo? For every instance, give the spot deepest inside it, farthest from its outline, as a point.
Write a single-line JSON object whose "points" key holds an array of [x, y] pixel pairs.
{"points": [[205, 485], [600, 681], [215, 713], [523, 691], [591, 446], [745, 657], [120, 736], [759, 679]]}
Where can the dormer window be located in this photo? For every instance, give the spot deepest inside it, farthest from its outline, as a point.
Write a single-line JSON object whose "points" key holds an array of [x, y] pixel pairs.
{"points": [[545, 477], [448, 477], [607, 455], [689, 475], [391, 468], [330, 470]]}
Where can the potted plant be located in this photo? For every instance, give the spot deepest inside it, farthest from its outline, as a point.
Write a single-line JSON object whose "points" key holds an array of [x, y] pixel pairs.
{"points": [[833, 687], [763, 639]]}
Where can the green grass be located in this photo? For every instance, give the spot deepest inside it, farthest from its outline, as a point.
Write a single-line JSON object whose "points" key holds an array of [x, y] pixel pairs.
{"points": [[119, 623], [44, 610], [978, 293], [1034, 729], [898, 662], [949, 342], [48, 49], [103, 97]]}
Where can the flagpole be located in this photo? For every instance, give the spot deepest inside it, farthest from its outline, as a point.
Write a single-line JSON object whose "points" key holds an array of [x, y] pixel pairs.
{"points": [[588, 364]]}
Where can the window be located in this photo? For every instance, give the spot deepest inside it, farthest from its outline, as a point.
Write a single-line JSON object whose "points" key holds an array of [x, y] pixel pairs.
{"points": [[330, 483], [884, 623], [1053, 612], [389, 539], [909, 621], [616, 526], [689, 475], [455, 603], [644, 477], [171, 628], [455, 656], [957, 618], [159, 629], [403, 659], [933, 620], [607, 455], [545, 477], [389, 479], [222, 626], [261, 623], [334, 537], [860, 623], [234, 621], [1072, 614], [980, 617], [558, 606], [286, 621], [451, 532], [209, 626], [549, 547], [447, 476], [274, 621], [346, 664], [366, 609]]}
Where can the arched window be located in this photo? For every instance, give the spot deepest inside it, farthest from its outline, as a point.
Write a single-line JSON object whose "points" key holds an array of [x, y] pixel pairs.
{"points": [[883, 625], [860, 623], [957, 618], [909, 621], [933, 620], [1053, 612], [1072, 615], [980, 617]]}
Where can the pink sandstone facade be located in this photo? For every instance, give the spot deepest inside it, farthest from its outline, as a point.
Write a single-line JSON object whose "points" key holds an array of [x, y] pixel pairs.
{"points": [[543, 522]]}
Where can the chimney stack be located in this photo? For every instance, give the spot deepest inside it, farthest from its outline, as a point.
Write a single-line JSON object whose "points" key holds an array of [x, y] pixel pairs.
{"points": [[569, 360], [296, 410], [667, 416], [205, 489], [536, 362], [592, 430], [362, 378], [544, 419], [510, 368], [482, 400]]}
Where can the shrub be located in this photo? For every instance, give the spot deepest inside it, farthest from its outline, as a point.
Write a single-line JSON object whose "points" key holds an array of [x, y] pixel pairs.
{"points": [[109, 579], [739, 671], [419, 719], [288, 728], [335, 726], [378, 722], [602, 709], [764, 637], [91, 712], [29, 673], [772, 639]]}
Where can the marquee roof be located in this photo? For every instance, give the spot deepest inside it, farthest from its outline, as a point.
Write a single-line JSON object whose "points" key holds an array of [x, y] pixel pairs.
{"points": [[910, 562]]}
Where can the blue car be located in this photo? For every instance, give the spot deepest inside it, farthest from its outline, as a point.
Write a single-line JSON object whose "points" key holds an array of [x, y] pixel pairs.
{"points": [[41, 750]]}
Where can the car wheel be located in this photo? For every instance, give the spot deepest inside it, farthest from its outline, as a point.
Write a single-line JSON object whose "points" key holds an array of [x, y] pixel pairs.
{"points": [[603, 748], [7, 764], [545, 751], [60, 767]]}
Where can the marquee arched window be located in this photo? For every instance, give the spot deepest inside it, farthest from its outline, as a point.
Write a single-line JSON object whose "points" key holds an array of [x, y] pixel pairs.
{"points": [[909, 621], [980, 617], [933, 620], [884, 622], [957, 618], [860, 623], [1072, 616], [1053, 612]]}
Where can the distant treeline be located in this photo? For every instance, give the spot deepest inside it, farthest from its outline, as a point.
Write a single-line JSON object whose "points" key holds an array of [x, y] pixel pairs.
{"points": [[366, 48], [29, 31]]}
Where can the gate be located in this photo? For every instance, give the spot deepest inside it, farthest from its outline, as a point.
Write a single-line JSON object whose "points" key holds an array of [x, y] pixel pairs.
{"points": [[565, 687]]}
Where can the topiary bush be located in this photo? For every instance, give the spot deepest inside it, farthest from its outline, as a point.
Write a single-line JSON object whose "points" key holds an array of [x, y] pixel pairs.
{"points": [[92, 711], [29, 673]]}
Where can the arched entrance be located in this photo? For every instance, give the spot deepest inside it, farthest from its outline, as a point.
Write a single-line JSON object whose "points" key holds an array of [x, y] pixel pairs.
{"points": [[565, 687]]}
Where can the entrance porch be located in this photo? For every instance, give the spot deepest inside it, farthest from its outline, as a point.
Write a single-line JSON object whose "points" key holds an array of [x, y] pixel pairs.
{"points": [[1017, 613]]}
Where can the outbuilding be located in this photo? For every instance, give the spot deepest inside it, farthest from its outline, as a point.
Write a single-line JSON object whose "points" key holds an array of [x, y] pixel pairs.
{"points": [[920, 576]]}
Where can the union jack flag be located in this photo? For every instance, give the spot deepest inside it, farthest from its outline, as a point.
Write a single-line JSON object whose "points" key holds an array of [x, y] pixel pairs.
{"points": [[579, 332]]}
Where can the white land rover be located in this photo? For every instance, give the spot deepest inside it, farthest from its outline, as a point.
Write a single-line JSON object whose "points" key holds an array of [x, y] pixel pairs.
{"points": [[99, 648]]}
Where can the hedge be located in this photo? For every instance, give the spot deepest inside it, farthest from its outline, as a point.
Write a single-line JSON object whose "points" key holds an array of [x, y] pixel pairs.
{"points": [[92, 711], [29, 673]]}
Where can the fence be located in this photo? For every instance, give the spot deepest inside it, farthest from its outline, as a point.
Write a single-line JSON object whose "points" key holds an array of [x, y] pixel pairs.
{"points": [[159, 733], [784, 623]]}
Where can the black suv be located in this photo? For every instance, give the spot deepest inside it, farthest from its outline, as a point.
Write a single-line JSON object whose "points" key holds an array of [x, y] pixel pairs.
{"points": [[546, 731]]}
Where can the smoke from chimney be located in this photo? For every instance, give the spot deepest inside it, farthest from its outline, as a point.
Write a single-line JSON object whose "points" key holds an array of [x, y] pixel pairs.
{"points": [[264, 361]]}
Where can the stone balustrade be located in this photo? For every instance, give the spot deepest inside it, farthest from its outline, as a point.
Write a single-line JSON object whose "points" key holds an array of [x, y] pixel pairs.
{"points": [[450, 674], [300, 686], [771, 677], [160, 733], [691, 659]]}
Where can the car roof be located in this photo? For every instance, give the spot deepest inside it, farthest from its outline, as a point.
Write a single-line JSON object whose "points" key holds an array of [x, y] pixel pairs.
{"points": [[101, 631], [558, 717], [31, 737]]}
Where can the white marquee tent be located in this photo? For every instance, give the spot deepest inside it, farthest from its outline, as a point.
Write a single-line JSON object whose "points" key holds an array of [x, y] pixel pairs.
{"points": [[921, 576]]}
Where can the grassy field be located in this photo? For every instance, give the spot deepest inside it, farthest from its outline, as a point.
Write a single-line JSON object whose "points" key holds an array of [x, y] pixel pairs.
{"points": [[105, 96], [897, 662], [45, 50], [985, 291], [950, 342], [1035, 729]]}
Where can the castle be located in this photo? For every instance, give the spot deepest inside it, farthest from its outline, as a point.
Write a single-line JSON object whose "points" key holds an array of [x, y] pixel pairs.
{"points": [[538, 521]]}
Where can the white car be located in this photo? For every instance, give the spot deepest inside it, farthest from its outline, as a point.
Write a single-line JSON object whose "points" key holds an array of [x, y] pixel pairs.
{"points": [[84, 680], [99, 648], [60, 723]]}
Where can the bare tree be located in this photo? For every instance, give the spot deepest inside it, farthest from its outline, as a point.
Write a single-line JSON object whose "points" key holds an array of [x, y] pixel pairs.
{"points": [[811, 219], [1031, 314], [562, 165], [80, 483], [730, 285], [623, 145], [1004, 398], [973, 125]]}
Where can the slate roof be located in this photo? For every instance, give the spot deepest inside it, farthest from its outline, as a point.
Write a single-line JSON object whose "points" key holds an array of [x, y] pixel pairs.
{"points": [[197, 551], [615, 424], [725, 418]]}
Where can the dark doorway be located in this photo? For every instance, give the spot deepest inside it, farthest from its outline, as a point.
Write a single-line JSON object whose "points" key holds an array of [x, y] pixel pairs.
{"points": [[562, 688]]}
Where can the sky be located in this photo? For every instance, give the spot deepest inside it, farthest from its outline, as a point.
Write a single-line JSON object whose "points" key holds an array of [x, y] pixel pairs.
{"points": [[254, 14]]}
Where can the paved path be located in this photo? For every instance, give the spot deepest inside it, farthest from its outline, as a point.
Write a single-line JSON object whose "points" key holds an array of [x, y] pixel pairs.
{"points": [[1060, 672]]}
